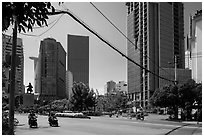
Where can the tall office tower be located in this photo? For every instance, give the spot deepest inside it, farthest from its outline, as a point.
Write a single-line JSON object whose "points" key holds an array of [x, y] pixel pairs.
{"points": [[156, 32], [121, 86], [36, 77], [188, 60], [110, 87], [69, 84], [6, 57], [196, 45], [78, 58], [50, 70]]}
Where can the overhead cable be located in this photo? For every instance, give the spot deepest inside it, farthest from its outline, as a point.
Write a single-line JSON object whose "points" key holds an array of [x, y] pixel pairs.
{"points": [[56, 21], [102, 39], [125, 36]]}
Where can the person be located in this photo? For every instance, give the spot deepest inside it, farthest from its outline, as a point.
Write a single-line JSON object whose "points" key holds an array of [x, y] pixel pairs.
{"points": [[51, 116], [52, 119], [117, 114], [31, 115], [140, 114]]}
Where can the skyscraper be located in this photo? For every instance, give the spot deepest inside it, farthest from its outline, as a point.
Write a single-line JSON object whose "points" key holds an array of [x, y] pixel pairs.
{"points": [[121, 86], [78, 58], [69, 84], [6, 57], [156, 31], [50, 70], [196, 46], [110, 87]]}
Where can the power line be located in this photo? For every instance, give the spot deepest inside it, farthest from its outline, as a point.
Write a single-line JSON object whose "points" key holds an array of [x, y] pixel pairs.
{"points": [[64, 6], [45, 26], [56, 21], [105, 41], [112, 24], [126, 36]]}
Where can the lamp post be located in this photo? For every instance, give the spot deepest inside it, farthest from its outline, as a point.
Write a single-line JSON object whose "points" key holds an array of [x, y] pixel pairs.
{"points": [[175, 67]]}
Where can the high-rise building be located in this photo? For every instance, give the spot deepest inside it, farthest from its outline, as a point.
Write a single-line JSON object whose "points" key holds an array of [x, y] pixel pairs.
{"points": [[183, 75], [50, 70], [121, 86], [78, 58], [110, 87], [69, 84], [36, 70], [188, 60], [196, 46], [6, 57], [156, 32]]}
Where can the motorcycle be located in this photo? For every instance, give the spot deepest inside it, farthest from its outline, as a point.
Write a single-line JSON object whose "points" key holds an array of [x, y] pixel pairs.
{"points": [[140, 117], [53, 121], [16, 122], [33, 122], [110, 115]]}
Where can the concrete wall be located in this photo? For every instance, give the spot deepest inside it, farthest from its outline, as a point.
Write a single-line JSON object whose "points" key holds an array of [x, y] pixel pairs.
{"points": [[28, 100]]}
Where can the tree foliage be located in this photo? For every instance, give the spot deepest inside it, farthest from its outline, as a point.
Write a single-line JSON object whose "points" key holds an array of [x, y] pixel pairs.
{"points": [[28, 14], [182, 96], [112, 102], [166, 97], [83, 98]]}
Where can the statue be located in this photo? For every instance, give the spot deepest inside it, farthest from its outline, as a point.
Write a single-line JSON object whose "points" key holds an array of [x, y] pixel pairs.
{"points": [[30, 88]]}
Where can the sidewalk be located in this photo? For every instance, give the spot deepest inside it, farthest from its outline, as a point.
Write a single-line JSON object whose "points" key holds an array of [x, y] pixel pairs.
{"points": [[192, 122]]}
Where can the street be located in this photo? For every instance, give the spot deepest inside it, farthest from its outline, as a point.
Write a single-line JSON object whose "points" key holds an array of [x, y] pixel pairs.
{"points": [[104, 125]]}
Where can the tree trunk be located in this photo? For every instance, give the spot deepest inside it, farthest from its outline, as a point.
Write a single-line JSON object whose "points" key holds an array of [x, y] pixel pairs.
{"points": [[12, 85], [176, 112]]}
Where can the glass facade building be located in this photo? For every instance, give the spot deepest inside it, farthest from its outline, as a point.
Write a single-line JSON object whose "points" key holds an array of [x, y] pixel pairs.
{"points": [[50, 71], [78, 58], [6, 57], [156, 32]]}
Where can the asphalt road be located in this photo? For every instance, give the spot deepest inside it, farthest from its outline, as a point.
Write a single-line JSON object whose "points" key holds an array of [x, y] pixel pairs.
{"points": [[152, 125]]}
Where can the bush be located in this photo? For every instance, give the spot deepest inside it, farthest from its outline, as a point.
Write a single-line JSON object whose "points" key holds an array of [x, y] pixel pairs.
{"points": [[92, 113], [5, 123]]}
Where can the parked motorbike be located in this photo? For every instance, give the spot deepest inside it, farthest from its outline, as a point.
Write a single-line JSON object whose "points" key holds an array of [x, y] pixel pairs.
{"points": [[140, 116], [110, 115], [53, 121], [16, 122]]}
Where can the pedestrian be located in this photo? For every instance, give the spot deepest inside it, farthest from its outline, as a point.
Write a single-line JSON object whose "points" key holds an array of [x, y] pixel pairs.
{"points": [[117, 113]]}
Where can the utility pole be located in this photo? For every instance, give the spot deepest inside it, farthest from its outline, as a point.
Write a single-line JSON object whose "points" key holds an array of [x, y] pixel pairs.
{"points": [[175, 66], [12, 81]]}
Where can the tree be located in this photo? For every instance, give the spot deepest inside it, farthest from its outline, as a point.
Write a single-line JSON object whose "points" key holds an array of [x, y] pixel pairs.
{"points": [[21, 14], [183, 96], [166, 97], [190, 93], [28, 14], [83, 98], [198, 94], [112, 102]]}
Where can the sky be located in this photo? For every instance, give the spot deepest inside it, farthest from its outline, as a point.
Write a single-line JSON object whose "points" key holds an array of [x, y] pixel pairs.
{"points": [[104, 63]]}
